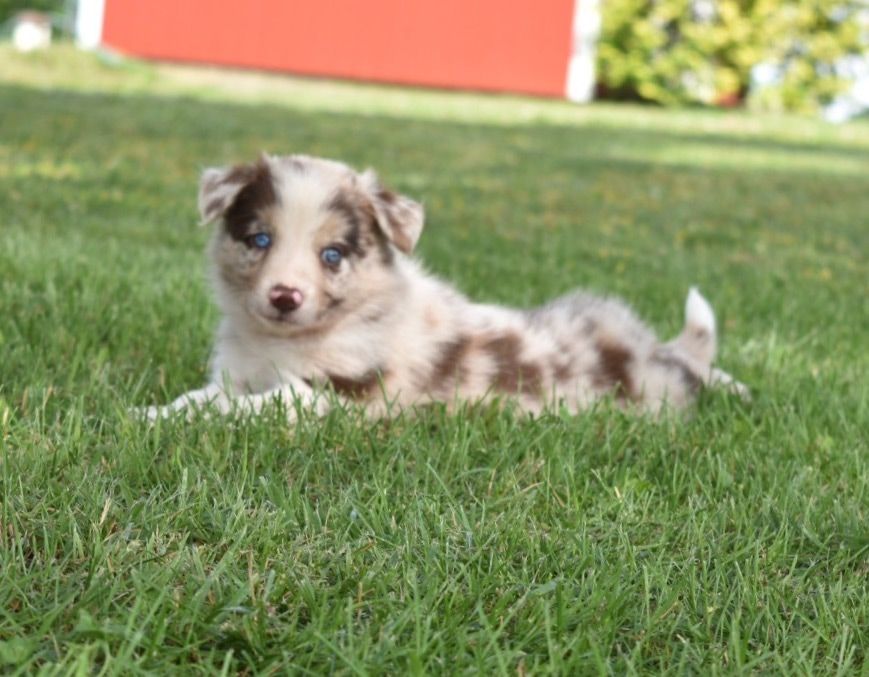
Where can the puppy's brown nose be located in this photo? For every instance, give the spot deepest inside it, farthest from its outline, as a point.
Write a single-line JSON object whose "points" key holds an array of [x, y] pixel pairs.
{"points": [[285, 299]]}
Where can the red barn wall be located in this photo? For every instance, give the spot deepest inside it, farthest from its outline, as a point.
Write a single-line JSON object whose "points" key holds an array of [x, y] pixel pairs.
{"points": [[506, 45]]}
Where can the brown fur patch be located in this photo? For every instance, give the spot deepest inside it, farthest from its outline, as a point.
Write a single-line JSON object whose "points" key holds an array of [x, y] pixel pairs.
{"points": [[399, 237], [238, 266], [344, 204], [332, 301], [613, 369], [356, 388], [363, 233], [449, 366], [387, 196], [252, 201], [390, 208], [562, 370], [511, 374]]}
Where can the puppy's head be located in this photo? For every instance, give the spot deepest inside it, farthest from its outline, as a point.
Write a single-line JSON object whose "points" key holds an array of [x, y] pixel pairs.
{"points": [[303, 242]]}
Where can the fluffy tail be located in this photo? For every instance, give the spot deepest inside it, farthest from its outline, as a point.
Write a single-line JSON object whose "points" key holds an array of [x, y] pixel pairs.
{"points": [[698, 339]]}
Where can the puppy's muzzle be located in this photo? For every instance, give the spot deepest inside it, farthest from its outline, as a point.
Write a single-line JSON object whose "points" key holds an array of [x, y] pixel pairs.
{"points": [[285, 299]]}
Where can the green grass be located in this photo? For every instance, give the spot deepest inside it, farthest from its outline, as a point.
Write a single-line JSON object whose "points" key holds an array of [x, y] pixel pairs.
{"points": [[734, 541]]}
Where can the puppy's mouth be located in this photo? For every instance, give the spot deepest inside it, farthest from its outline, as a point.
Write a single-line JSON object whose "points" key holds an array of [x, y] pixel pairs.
{"points": [[293, 322], [281, 317], [269, 316], [282, 320]]}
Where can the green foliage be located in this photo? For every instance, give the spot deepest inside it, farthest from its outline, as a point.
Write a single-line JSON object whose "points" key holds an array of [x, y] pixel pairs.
{"points": [[8, 8], [702, 51], [61, 12]]}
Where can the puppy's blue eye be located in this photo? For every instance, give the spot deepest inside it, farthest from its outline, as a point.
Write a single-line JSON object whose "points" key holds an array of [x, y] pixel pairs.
{"points": [[260, 240], [331, 256]]}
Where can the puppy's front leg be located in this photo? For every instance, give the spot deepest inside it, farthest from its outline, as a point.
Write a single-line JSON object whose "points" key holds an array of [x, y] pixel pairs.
{"points": [[211, 394], [216, 397]]}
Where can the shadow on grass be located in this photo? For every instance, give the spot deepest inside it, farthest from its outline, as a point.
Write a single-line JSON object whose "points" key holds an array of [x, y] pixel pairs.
{"points": [[198, 124]]}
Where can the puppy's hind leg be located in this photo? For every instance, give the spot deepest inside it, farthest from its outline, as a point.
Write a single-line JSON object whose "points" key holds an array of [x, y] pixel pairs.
{"points": [[718, 378], [698, 342]]}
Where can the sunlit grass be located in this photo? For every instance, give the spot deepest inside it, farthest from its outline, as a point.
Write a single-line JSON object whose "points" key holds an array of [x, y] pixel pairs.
{"points": [[735, 540]]}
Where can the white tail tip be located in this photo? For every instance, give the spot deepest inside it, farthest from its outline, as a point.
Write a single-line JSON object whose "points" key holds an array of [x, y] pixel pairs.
{"points": [[698, 312]]}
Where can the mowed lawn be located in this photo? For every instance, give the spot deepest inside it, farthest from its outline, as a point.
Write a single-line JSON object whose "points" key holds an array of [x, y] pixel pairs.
{"points": [[734, 540]]}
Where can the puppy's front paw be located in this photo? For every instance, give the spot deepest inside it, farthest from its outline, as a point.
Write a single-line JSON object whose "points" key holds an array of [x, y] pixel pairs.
{"points": [[150, 414]]}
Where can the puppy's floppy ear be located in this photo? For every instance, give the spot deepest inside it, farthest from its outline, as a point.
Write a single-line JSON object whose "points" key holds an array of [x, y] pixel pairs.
{"points": [[400, 218], [216, 193], [219, 187]]}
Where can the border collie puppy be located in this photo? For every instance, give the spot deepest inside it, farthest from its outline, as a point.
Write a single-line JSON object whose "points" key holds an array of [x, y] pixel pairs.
{"points": [[319, 293]]}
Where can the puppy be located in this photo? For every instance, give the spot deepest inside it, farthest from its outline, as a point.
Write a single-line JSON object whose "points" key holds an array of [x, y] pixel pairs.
{"points": [[321, 299]]}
